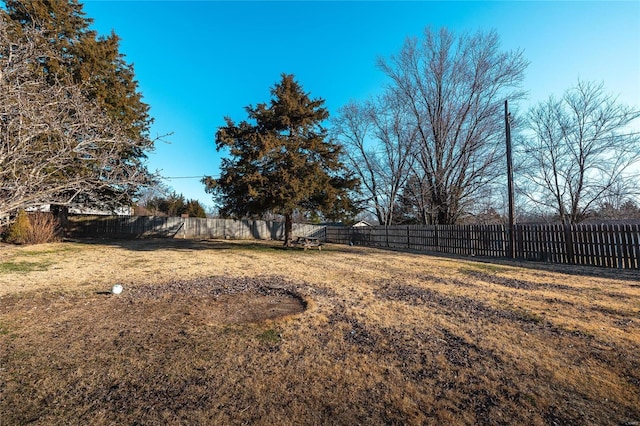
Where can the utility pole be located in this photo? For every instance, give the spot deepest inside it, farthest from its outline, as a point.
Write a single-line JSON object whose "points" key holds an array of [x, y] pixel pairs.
{"points": [[511, 230]]}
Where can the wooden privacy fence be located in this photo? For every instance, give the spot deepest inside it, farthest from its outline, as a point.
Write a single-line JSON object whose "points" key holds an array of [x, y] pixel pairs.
{"points": [[608, 245], [178, 227]]}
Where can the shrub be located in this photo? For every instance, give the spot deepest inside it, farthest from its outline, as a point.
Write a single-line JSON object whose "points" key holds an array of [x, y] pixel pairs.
{"points": [[33, 228], [45, 228], [18, 232]]}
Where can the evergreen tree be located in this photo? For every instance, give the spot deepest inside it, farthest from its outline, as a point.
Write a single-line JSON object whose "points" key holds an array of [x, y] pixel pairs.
{"points": [[282, 161], [172, 205], [81, 58], [90, 60], [194, 209]]}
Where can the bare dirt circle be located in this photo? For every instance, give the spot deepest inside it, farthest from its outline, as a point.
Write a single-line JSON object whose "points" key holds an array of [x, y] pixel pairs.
{"points": [[158, 308], [215, 300]]}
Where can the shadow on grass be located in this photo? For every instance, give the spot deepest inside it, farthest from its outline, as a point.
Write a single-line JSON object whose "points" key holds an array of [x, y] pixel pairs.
{"points": [[152, 244], [576, 270]]}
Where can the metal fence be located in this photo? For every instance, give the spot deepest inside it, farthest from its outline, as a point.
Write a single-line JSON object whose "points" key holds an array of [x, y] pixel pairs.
{"points": [[608, 245], [178, 227]]}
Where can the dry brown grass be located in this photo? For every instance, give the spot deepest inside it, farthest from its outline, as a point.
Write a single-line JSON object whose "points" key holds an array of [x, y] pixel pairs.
{"points": [[210, 332]]}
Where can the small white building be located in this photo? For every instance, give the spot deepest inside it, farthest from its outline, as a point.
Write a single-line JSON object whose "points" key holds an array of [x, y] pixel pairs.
{"points": [[361, 223], [118, 211]]}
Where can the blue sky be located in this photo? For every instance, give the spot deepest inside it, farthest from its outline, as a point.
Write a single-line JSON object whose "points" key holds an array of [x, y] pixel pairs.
{"points": [[197, 62]]}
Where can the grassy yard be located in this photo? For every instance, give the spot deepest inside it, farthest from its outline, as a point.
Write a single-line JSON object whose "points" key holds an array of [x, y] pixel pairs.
{"points": [[223, 332]]}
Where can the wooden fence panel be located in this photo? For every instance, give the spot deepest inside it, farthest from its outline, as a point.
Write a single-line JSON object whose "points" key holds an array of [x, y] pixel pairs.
{"points": [[605, 245], [613, 246], [635, 234], [339, 234], [592, 245], [177, 227], [582, 245], [552, 241], [609, 246], [634, 237], [625, 258], [630, 251]]}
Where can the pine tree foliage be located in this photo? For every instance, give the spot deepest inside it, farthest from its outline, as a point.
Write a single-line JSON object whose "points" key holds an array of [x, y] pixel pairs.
{"points": [[281, 160], [172, 204], [73, 128], [194, 209], [91, 61]]}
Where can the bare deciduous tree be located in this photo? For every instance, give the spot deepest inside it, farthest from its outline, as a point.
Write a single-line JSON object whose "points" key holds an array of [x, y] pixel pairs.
{"points": [[413, 206], [379, 144], [454, 89], [579, 152], [56, 147]]}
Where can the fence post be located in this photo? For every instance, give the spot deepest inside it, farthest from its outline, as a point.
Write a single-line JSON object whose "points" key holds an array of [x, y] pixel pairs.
{"points": [[408, 238], [519, 241], [568, 240], [386, 235]]}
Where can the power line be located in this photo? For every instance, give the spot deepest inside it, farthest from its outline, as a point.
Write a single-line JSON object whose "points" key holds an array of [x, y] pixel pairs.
{"points": [[183, 177]]}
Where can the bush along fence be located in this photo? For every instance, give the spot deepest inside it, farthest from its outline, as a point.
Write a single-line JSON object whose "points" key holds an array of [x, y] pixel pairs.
{"points": [[178, 227], [607, 245]]}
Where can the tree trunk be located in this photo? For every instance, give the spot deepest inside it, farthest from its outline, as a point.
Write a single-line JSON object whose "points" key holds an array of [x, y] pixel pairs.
{"points": [[288, 226], [61, 213]]}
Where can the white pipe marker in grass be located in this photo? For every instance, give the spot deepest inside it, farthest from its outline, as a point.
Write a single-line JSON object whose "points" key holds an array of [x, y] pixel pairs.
{"points": [[116, 289]]}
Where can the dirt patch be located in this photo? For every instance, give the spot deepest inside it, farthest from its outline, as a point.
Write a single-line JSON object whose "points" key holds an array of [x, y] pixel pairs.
{"points": [[208, 301], [448, 305]]}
